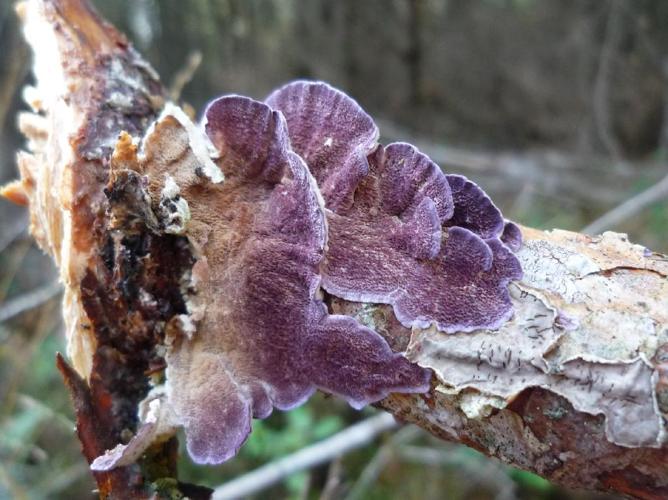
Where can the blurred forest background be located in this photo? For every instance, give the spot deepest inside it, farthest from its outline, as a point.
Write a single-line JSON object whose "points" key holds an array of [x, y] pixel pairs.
{"points": [[558, 108]]}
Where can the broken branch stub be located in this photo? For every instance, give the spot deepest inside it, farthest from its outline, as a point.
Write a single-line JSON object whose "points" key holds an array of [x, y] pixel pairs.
{"points": [[276, 248]]}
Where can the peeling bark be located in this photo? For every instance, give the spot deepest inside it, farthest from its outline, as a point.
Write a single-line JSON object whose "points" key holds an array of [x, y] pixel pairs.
{"points": [[573, 387]]}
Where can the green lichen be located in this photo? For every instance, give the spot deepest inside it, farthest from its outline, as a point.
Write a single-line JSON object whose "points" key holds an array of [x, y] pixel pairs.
{"points": [[555, 413]]}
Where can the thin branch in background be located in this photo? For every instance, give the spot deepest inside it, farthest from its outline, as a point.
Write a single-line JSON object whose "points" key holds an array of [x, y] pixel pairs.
{"points": [[19, 359], [141, 17], [524, 199], [663, 140], [380, 460], [29, 300], [660, 61], [61, 479], [14, 70], [370, 473], [601, 97], [481, 471], [629, 208], [15, 490], [354, 437], [11, 234], [185, 75], [334, 483], [13, 266], [27, 402]]}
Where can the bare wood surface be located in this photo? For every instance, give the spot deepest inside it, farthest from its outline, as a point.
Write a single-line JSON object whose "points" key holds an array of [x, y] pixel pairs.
{"points": [[574, 387]]}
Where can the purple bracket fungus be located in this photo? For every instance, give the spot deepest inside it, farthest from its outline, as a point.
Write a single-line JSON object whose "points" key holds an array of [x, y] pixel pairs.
{"points": [[257, 336], [366, 222], [512, 236], [332, 133], [474, 210], [409, 236]]}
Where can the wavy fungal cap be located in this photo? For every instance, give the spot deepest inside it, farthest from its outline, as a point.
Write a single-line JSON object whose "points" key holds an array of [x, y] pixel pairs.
{"points": [[401, 232], [309, 200]]}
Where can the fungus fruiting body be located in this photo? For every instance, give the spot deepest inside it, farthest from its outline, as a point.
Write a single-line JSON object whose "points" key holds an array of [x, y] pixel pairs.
{"points": [[262, 338], [512, 236], [408, 235], [301, 196]]}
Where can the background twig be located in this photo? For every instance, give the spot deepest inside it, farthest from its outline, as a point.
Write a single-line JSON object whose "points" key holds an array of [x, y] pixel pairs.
{"points": [[601, 97], [629, 208], [355, 436], [29, 300]]}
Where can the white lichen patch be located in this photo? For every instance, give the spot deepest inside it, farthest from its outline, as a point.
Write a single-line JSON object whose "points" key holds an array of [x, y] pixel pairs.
{"points": [[611, 250], [610, 335], [636, 313], [173, 209], [605, 252], [476, 405], [622, 391], [485, 365], [158, 424], [483, 359], [554, 269], [199, 143], [576, 271]]}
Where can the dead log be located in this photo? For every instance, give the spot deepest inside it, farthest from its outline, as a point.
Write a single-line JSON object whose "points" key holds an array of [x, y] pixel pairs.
{"points": [[573, 387]]}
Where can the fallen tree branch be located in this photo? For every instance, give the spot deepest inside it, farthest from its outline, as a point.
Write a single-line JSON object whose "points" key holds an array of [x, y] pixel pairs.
{"points": [[573, 387], [598, 309], [29, 300]]}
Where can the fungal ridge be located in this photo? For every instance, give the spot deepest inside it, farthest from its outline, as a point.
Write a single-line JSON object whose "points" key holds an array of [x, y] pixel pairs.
{"points": [[433, 246]]}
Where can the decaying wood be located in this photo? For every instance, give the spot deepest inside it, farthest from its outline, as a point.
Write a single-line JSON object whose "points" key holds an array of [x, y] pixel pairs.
{"points": [[574, 387], [90, 86]]}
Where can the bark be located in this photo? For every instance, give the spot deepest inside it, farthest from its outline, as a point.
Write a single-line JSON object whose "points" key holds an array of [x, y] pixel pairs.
{"points": [[574, 387]]}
